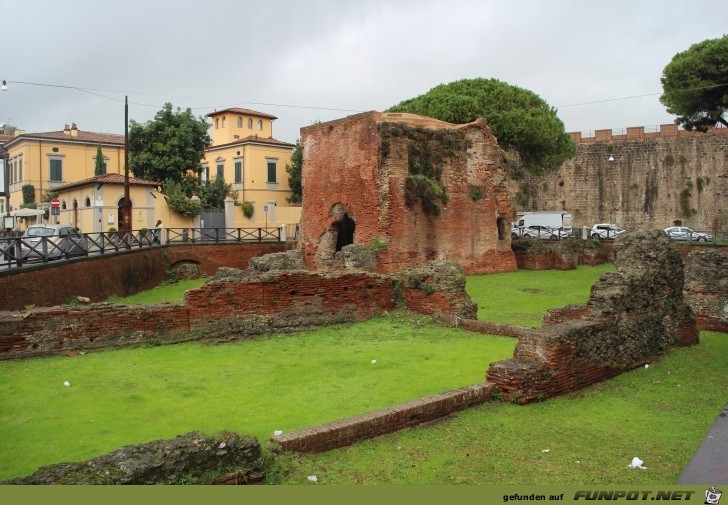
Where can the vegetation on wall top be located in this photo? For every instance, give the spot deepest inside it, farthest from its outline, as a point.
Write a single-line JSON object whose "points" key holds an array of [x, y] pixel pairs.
{"points": [[519, 118], [427, 150]]}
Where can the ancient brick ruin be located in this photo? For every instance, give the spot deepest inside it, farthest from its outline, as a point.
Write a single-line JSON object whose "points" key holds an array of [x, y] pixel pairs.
{"points": [[633, 315], [706, 288], [429, 190]]}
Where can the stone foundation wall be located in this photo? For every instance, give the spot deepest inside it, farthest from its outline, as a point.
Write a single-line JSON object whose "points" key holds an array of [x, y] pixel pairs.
{"points": [[373, 424], [234, 304], [706, 288], [633, 315]]}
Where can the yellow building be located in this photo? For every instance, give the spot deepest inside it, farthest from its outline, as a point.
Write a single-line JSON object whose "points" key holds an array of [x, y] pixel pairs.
{"points": [[245, 153], [49, 160]]}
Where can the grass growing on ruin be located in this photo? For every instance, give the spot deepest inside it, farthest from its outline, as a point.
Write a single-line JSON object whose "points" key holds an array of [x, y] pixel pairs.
{"points": [[275, 382], [167, 292], [660, 414], [524, 296]]}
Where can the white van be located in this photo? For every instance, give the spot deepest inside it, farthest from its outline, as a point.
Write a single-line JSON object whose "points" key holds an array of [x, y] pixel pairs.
{"points": [[556, 220]]}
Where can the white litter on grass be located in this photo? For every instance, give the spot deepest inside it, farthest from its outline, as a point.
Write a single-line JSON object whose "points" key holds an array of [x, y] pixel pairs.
{"points": [[277, 432], [647, 365], [67, 384], [374, 362], [312, 478], [546, 450], [637, 463]]}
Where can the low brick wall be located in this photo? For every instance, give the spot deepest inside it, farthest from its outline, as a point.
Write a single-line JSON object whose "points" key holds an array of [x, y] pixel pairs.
{"points": [[706, 287], [233, 305], [563, 314], [545, 255], [121, 274], [488, 328], [373, 424]]}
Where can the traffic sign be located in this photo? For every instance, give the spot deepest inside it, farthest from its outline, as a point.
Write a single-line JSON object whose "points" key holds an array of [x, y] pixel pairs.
{"points": [[55, 203]]}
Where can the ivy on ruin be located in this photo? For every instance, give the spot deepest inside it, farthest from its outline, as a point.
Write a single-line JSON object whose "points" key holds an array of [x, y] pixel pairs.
{"points": [[427, 151]]}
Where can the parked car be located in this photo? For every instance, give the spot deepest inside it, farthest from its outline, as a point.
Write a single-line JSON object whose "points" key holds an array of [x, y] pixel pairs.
{"points": [[683, 233], [52, 241], [605, 231], [540, 231]]}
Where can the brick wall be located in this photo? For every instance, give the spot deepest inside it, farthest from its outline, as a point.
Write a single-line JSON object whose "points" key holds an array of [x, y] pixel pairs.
{"points": [[706, 287], [233, 305], [122, 274], [633, 315], [373, 424], [350, 172]]}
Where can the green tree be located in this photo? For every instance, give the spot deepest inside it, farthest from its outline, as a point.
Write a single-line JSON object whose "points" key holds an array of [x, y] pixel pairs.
{"points": [[519, 118], [213, 194], [100, 167], [168, 146], [695, 85], [295, 174]]}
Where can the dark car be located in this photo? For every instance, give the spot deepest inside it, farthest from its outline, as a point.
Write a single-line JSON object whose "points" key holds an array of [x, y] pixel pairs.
{"points": [[51, 241]]}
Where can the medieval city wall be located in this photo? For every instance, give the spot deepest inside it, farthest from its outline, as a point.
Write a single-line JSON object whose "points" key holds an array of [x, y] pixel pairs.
{"points": [[654, 179]]}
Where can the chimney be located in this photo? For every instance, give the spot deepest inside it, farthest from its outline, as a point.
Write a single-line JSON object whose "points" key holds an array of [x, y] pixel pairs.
{"points": [[74, 130], [66, 130]]}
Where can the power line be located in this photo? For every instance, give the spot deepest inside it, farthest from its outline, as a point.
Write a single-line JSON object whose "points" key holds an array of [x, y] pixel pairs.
{"points": [[236, 102], [640, 96], [91, 91]]}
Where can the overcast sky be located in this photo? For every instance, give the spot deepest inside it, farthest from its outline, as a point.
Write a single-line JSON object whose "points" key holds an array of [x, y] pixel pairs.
{"points": [[304, 61]]}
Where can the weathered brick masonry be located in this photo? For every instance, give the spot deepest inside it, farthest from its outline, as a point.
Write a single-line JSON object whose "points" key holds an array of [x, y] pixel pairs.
{"points": [[706, 288], [356, 170], [373, 424], [633, 315], [122, 274], [233, 305]]}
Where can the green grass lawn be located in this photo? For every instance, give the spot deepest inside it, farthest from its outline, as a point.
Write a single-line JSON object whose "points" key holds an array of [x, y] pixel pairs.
{"points": [[172, 292], [277, 382], [660, 414], [290, 381], [524, 296]]}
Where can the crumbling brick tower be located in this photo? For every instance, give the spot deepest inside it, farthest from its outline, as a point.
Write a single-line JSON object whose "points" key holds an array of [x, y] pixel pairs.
{"points": [[428, 189]]}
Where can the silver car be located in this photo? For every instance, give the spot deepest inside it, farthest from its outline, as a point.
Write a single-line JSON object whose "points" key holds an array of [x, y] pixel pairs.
{"points": [[606, 231], [545, 232], [686, 234], [52, 241]]}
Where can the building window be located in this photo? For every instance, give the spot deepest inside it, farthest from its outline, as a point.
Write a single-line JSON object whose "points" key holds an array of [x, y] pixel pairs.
{"points": [[20, 168], [217, 123], [56, 170], [223, 121], [272, 172], [88, 202], [221, 170], [63, 205], [260, 124], [250, 124], [240, 122], [238, 172]]}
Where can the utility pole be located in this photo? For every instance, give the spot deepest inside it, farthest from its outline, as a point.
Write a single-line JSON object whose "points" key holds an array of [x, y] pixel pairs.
{"points": [[126, 210]]}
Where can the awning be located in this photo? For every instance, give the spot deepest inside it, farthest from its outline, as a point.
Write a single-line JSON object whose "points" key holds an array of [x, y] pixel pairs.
{"points": [[27, 213]]}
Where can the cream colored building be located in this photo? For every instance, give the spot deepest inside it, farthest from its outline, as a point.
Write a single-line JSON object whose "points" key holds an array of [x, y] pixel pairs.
{"points": [[49, 160], [245, 153], [94, 205]]}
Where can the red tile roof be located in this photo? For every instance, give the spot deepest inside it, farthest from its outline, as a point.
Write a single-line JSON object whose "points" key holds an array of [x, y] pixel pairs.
{"points": [[255, 139], [107, 179], [83, 136], [238, 110]]}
